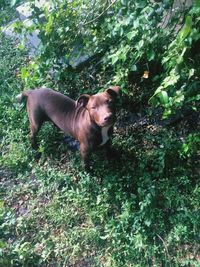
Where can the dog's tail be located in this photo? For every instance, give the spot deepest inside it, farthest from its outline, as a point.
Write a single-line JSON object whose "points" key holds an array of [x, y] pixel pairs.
{"points": [[20, 97]]}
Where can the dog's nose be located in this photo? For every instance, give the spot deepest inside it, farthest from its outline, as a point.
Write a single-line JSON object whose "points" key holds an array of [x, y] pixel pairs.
{"points": [[108, 118]]}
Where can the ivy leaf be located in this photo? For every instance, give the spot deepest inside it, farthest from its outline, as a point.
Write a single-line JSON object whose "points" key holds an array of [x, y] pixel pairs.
{"points": [[134, 68], [123, 2], [114, 59], [191, 73], [104, 237], [163, 97], [186, 29], [171, 80], [24, 73], [132, 34], [167, 113], [151, 55], [140, 44]]}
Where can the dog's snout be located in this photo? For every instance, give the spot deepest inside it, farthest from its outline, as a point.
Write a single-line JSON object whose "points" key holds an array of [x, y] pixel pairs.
{"points": [[108, 118]]}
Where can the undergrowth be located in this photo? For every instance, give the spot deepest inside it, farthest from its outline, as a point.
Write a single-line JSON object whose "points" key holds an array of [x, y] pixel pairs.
{"points": [[141, 210]]}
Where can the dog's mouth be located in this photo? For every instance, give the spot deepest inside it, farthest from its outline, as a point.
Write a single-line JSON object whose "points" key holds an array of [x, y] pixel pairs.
{"points": [[106, 123]]}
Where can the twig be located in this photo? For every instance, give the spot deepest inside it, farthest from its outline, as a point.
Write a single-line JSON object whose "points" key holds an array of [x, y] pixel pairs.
{"points": [[167, 252], [88, 22], [88, 14]]}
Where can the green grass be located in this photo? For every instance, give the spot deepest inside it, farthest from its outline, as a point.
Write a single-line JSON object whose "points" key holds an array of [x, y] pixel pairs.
{"points": [[142, 210]]}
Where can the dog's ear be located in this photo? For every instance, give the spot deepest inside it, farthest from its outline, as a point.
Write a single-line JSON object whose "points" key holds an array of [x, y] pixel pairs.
{"points": [[82, 100], [113, 91]]}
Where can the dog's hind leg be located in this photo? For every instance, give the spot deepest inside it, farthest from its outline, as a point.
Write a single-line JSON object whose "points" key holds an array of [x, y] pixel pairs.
{"points": [[36, 121], [33, 133]]}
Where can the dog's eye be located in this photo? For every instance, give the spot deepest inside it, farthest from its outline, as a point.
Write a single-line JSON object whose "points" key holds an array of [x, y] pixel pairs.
{"points": [[109, 102]]}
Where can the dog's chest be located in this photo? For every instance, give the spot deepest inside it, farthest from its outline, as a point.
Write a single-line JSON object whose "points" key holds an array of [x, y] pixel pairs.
{"points": [[104, 135]]}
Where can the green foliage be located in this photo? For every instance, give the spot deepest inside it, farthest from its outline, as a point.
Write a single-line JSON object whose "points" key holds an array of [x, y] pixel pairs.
{"points": [[142, 211], [145, 42], [180, 62], [7, 13], [3, 3]]}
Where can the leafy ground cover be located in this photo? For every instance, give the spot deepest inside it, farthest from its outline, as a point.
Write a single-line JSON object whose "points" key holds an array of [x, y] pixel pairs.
{"points": [[140, 210]]}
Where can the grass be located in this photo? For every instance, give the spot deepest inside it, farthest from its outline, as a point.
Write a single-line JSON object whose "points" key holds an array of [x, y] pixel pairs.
{"points": [[142, 210]]}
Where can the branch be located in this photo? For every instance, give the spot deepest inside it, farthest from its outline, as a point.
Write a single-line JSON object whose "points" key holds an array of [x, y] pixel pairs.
{"points": [[165, 246], [90, 21]]}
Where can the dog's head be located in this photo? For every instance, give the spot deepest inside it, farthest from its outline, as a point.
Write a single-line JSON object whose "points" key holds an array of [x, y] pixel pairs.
{"points": [[101, 106]]}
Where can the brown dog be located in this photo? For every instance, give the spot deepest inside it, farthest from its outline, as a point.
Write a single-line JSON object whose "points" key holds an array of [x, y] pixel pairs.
{"points": [[90, 119]]}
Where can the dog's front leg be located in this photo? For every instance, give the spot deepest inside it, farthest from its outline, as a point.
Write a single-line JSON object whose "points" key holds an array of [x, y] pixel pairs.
{"points": [[111, 153], [85, 153]]}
